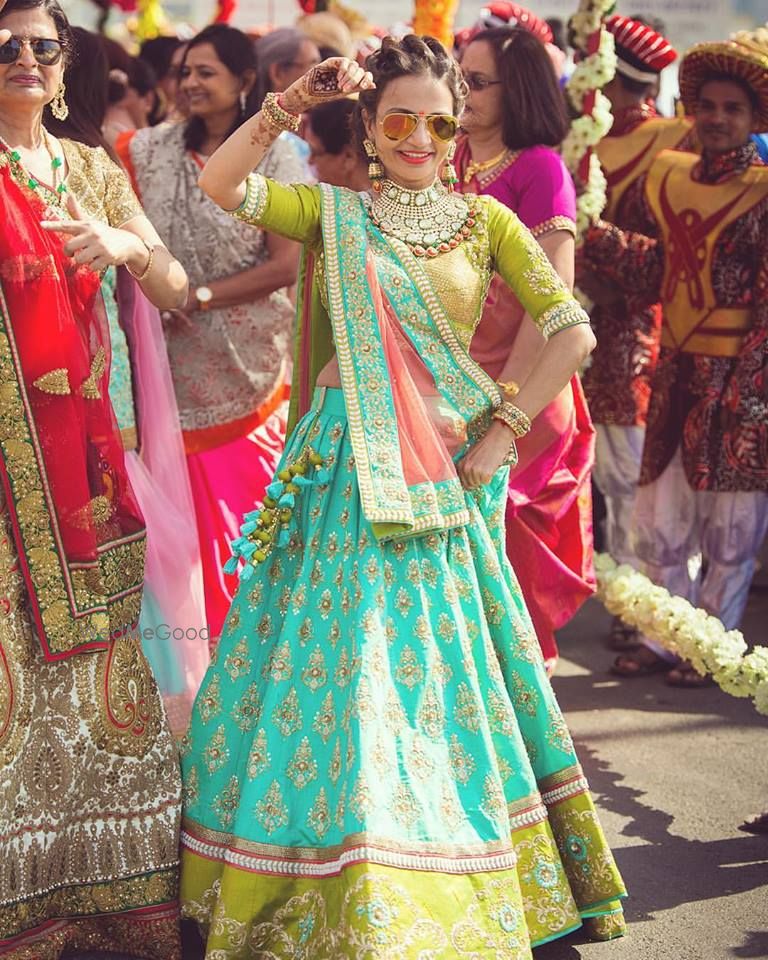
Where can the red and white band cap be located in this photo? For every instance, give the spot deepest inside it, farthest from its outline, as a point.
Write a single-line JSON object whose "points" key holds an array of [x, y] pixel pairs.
{"points": [[642, 53]]}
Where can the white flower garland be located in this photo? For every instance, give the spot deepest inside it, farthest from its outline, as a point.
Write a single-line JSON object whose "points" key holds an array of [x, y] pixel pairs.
{"points": [[587, 130], [681, 628]]}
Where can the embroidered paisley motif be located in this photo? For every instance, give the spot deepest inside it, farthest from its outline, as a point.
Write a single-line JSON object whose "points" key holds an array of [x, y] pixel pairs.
{"points": [[124, 712]]}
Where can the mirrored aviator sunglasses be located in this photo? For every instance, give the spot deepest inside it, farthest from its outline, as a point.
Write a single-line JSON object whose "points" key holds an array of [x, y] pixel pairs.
{"points": [[46, 52], [442, 127]]}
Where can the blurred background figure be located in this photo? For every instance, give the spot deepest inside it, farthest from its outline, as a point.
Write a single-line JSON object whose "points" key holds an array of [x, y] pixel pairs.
{"points": [[515, 120], [178, 105], [334, 155], [283, 56], [158, 53], [329, 33], [133, 101], [228, 349]]}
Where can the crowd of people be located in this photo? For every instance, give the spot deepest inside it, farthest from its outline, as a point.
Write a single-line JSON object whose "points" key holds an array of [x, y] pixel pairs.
{"points": [[301, 425]]}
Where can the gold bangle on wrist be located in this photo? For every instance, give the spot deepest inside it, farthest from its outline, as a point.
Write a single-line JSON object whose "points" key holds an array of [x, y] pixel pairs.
{"points": [[278, 116], [510, 388], [517, 420], [144, 273]]}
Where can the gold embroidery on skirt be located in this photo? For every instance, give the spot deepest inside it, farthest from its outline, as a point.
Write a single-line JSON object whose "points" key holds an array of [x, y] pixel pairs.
{"points": [[123, 712]]}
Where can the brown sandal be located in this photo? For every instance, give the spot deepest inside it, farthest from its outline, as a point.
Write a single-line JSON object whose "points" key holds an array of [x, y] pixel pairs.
{"points": [[622, 638], [686, 676], [641, 663]]}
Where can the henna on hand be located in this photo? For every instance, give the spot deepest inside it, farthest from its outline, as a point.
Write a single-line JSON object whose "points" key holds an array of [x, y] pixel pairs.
{"points": [[322, 81], [263, 133], [332, 79]]}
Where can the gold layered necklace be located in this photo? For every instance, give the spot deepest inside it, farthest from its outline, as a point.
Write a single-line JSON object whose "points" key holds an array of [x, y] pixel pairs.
{"points": [[429, 222], [475, 167]]}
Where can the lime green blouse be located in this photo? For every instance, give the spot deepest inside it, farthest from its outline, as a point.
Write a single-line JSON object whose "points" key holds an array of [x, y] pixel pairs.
{"points": [[499, 243]]}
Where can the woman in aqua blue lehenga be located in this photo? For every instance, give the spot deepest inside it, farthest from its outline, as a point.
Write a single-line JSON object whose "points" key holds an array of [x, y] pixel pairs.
{"points": [[377, 766]]}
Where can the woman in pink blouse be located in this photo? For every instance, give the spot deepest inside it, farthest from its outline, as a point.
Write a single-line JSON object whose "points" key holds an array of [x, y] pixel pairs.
{"points": [[514, 120]]}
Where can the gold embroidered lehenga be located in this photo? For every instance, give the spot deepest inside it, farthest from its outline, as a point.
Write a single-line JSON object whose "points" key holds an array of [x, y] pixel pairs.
{"points": [[89, 791], [377, 766]]}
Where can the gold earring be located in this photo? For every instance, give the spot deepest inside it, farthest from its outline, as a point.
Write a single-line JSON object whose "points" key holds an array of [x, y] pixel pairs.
{"points": [[449, 175], [375, 169], [59, 107]]}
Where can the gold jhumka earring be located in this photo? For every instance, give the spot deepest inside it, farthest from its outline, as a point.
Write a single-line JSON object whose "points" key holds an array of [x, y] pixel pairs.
{"points": [[59, 107], [375, 169], [448, 174]]}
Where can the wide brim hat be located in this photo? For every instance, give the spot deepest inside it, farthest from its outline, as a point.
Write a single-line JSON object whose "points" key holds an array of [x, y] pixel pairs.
{"points": [[744, 57]]}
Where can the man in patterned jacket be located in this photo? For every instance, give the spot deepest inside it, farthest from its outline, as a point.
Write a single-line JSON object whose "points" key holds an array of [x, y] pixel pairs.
{"points": [[617, 382], [701, 511]]}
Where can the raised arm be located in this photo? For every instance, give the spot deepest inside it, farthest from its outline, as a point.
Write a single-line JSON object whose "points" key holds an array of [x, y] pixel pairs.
{"points": [[224, 176]]}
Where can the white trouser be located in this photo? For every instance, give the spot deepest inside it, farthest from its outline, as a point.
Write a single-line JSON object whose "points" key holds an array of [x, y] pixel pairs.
{"points": [[618, 452], [699, 544]]}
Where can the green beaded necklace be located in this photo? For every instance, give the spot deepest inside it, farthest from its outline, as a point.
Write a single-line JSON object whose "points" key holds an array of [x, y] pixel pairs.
{"points": [[21, 176]]}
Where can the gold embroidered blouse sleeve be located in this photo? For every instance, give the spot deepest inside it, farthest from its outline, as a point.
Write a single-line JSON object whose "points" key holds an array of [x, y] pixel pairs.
{"points": [[100, 185], [520, 261], [290, 211], [120, 202]]}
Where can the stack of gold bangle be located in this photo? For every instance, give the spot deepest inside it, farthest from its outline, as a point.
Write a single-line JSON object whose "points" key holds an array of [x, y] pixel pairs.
{"points": [[517, 421], [278, 116]]}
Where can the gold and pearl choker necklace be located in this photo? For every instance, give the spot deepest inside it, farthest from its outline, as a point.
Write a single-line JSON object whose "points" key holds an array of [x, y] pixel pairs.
{"points": [[429, 222]]}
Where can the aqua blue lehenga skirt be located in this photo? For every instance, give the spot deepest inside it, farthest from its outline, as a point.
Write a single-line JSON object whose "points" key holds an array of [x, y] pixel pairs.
{"points": [[377, 765]]}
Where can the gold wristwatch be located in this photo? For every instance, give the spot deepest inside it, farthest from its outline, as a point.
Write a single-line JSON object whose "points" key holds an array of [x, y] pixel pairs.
{"points": [[203, 295]]}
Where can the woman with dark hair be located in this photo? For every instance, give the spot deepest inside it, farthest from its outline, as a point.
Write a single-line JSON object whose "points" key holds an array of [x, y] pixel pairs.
{"points": [[158, 53], [514, 121], [228, 347], [376, 765], [89, 792], [87, 80], [133, 101], [334, 155]]}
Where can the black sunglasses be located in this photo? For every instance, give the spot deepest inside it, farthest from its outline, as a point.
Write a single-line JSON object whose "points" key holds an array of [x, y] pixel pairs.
{"points": [[46, 52]]}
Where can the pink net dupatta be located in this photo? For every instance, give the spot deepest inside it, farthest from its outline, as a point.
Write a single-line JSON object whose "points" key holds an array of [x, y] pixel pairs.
{"points": [[430, 430], [178, 650]]}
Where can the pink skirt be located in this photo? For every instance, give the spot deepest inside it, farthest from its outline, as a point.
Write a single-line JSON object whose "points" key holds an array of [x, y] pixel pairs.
{"points": [[228, 481]]}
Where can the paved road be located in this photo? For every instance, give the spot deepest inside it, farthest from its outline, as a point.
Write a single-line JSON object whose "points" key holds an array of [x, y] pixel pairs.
{"points": [[674, 772]]}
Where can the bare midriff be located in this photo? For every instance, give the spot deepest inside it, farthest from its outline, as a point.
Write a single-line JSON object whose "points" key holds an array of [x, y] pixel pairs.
{"points": [[329, 375]]}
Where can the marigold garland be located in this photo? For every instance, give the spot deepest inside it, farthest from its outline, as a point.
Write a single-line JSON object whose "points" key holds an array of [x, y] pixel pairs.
{"points": [[596, 68], [685, 630], [434, 18]]}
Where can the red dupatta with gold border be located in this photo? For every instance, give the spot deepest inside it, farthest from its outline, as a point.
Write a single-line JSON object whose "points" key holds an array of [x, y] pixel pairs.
{"points": [[78, 529]]}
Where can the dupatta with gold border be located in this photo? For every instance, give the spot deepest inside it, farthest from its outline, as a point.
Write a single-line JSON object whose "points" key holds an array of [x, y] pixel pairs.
{"points": [[414, 397]]}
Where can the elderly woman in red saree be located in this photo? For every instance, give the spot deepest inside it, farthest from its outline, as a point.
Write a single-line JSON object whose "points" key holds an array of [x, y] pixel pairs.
{"points": [[514, 119], [89, 796]]}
